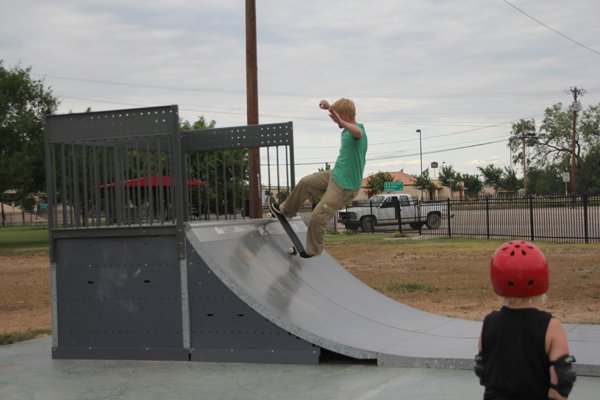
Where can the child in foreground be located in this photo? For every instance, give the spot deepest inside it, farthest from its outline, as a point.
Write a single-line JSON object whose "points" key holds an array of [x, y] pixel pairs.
{"points": [[523, 351]]}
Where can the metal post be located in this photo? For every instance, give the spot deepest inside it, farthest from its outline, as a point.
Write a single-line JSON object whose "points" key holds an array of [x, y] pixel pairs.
{"points": [[487, 217], [252, 107], [574, 143], [398, 213], [586, 228], [371, 213], [531, 222], [420, 151], [449, 212]]}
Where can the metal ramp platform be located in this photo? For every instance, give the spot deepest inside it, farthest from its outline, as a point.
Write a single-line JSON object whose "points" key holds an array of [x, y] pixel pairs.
{"points": [[318, 301]]}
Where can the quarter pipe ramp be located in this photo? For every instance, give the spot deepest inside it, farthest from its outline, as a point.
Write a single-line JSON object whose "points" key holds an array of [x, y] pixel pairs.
{"points": [[318, 301]]}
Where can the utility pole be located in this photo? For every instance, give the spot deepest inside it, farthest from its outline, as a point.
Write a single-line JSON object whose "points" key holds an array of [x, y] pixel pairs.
{"points": [[252, 108], [524, 137], [576, 107]]}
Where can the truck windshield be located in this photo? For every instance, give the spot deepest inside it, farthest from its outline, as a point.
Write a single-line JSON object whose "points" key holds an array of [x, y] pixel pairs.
{"points": [[376, 199]]}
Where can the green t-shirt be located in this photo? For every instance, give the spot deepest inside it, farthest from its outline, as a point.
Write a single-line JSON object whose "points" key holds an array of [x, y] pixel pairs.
{"points": [[350, 163]]}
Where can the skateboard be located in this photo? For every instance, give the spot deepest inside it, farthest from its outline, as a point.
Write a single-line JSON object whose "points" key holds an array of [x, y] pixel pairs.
{"points": [[297, 246]]}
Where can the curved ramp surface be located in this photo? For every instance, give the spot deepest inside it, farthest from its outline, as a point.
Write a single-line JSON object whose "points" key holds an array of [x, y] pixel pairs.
{"points": [[319, 301]]}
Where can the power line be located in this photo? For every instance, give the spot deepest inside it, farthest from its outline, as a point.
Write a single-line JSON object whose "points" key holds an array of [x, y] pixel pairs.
{"points": [[428, 137], [414, 154], [477, 127], [142, 86], [439, 150], [443, 147], [552, 29], [299, 94]]}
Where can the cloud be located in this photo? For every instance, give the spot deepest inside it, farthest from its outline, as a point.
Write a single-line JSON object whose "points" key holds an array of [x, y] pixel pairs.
{"points": [[482, 163], [460, 71]]}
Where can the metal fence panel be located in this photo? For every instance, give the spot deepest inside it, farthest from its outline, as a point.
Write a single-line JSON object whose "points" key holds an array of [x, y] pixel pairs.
{"points": [[548, 218], [118, 297], [120, 168]]}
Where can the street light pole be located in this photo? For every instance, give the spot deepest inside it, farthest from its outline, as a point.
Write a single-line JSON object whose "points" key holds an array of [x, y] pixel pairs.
{"points": [[420, 151]]}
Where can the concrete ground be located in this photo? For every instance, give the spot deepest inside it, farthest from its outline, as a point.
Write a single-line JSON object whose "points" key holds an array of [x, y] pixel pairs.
{"points": [[28, 372]]}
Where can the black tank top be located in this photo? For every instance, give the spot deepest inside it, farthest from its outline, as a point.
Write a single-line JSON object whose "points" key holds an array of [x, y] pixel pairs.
{"points": [[514, 352]]}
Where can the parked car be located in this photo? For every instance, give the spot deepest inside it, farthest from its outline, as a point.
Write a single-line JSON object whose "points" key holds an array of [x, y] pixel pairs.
{"points": [[382, 210]]}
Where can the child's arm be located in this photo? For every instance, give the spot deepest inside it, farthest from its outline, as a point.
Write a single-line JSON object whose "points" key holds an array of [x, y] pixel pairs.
{"points": [[351, 126], [479, 367], [557, 346]]}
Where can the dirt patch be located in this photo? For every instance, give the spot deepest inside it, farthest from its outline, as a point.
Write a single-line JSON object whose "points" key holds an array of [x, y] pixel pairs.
{"points": [[447, 280], [440, 279], [25, 291]]}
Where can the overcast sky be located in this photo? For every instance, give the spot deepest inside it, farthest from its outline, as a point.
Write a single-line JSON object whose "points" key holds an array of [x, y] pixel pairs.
{"points": [[462, 71]]}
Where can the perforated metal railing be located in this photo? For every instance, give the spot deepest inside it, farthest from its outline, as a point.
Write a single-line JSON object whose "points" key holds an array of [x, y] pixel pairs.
{"points": [[135, 168], [219, 159], [112, 168]]}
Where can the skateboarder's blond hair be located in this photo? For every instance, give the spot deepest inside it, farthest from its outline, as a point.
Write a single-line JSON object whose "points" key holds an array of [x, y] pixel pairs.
{"points": [[346, 107]]}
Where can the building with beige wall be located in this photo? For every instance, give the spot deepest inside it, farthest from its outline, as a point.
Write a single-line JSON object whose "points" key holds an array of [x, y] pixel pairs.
{"points": [[441, 192]]}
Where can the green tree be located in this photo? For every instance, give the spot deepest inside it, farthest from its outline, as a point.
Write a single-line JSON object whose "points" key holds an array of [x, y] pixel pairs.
{"points": [[24, 104], [555, 137], [554, 144], [492, 176], [545, 180], [523, 130], [222, 170], [450, 178], [588, 178], [200, 123], [509, 180], [424, 183], [473, 185], [376, 182]]}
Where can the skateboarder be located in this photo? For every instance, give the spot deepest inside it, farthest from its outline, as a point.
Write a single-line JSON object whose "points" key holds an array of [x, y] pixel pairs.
{"points": [[338, 186], [523, 352]]}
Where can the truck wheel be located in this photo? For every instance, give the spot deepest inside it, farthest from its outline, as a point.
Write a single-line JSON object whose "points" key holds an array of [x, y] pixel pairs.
{"points": [[367, 224], [433, 221], [416, 225]]}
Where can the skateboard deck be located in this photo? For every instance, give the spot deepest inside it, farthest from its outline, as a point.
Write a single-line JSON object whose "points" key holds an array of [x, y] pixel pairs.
{"points": [[297, 246]]}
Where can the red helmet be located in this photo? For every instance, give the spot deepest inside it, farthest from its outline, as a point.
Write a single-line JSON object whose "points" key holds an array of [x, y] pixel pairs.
{"points": [[519, 269]]}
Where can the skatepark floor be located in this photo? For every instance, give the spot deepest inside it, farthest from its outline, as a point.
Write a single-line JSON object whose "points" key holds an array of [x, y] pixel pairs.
{"points": [[27, 371]]}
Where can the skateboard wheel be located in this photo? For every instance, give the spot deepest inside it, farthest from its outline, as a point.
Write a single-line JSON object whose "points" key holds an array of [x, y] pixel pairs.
{"points": [[292, 251]]}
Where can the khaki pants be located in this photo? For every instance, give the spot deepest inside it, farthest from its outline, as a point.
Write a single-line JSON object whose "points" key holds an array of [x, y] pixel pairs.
{"points": [[334, 199]]}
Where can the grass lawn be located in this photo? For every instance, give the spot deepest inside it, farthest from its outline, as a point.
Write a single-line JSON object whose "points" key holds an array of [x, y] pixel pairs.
{"points": [[14, 240], [444, 276]]}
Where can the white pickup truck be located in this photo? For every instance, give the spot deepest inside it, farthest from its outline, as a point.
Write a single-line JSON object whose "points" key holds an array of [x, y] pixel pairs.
{"points": [[381, 210]]}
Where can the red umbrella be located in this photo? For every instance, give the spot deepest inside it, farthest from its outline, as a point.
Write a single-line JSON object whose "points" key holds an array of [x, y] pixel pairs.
{"points": [[154, 181]]}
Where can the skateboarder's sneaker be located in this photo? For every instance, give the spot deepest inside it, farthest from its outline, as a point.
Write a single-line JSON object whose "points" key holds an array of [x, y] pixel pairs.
{"points": [[305, 255], [275, 208]]}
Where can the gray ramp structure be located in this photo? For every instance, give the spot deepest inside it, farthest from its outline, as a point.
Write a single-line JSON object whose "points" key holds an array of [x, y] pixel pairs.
{"points": [[134, 277], [320, 302]]}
